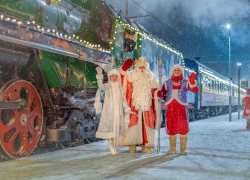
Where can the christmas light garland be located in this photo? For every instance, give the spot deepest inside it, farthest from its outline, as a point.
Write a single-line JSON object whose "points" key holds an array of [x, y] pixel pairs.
{"points": [[146, 36], [38, 28]]}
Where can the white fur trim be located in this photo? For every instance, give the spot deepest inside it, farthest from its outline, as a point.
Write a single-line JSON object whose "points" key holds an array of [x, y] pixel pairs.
{"points": [[114, 71], [98, 104], [175, 96], [155, 83], [192, 86], [124, 73], [150, 137], [127, 109], [99, 77], [105, 135], [177, 66], [133, 135]]}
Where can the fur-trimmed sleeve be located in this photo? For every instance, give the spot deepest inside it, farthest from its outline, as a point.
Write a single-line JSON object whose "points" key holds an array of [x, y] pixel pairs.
{"points": [[99, 78], [155, 83], [193, 88]]}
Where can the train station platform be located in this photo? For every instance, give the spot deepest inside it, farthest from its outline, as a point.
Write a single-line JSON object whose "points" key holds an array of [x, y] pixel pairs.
{"points": [[217, 149]]}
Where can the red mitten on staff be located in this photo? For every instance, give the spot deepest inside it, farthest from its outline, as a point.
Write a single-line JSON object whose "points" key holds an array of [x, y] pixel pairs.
{"points": [[127, 64], [192, 78]]}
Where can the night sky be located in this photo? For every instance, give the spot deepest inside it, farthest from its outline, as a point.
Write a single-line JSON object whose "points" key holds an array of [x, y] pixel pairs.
{"points": [[197, 28]]}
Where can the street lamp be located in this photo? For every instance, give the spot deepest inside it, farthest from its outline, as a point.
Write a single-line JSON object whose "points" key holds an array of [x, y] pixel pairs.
{"points": [[239, 65], [230, 89]]}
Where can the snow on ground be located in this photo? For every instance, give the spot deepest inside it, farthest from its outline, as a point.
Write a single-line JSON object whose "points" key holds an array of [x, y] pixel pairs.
{"points": [[217, 149]]}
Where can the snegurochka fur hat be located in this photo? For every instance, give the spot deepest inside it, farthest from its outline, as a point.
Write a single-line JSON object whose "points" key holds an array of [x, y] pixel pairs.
{"points": [[178, 67]]}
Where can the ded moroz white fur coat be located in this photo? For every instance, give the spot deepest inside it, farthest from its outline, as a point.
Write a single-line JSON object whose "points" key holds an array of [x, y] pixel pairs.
{"points": [[115, 117]]}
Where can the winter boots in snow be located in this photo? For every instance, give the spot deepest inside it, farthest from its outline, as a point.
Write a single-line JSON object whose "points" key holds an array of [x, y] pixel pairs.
{"points": [[132, 149], [146, 150], [172, 141], [112, 148], [183, 142]]}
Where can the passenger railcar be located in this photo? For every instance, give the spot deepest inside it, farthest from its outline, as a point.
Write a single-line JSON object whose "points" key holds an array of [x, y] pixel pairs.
{"points": [[213, 97]]}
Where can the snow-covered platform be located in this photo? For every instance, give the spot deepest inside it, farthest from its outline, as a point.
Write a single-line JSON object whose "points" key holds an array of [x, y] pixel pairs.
{"points": [[217, 149]]}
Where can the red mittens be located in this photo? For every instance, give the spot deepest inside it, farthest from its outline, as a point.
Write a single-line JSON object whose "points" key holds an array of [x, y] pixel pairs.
{"points": [[159, 94], [127, 64], [192, 78]]}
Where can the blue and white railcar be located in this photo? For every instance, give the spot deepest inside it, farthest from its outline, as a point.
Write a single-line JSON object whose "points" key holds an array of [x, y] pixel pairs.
{"points": [[213, 97]]}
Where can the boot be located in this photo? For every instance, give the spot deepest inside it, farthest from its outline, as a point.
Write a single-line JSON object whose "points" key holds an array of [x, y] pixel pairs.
{"points": [[183, 142], [172, 141], [132, 149], [111, 147], [114, 145], [146, 150]]}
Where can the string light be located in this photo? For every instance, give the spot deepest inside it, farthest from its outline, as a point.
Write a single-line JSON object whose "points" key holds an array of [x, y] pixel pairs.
{"points": [[146, 36], [39, 28]]}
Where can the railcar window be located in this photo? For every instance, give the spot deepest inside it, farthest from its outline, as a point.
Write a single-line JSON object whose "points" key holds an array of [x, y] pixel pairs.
{"points": [[221, 87], [212, 85], [205, 85], [226, 90]]}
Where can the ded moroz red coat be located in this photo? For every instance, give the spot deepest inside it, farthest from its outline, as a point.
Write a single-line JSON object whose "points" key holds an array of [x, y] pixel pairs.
{"points": [[141, 127]]}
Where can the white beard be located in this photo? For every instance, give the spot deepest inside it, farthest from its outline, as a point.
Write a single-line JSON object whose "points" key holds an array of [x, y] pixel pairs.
{"points": [[142, 95]]}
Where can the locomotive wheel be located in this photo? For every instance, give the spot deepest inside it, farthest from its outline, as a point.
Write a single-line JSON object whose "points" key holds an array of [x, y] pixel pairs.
{"points": [[20, 130]]}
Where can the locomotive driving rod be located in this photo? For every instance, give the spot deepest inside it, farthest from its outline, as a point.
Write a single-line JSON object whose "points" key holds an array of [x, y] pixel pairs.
{"points": [[19, 104]]}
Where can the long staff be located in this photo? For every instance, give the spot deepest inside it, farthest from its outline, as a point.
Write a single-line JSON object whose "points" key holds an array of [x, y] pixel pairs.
{"points": [[159, 123]]}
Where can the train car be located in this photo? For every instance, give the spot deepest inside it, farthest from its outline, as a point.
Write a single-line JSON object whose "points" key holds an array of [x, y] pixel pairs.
{"points": [[213, 97]]}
